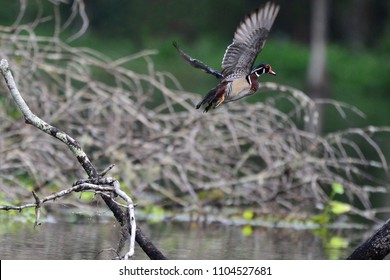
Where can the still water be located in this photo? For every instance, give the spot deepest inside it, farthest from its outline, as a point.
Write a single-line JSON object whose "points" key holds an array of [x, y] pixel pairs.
{"points": [[92, 240]]}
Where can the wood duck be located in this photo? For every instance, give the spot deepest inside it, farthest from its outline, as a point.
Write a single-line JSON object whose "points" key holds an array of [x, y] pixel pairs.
{"points": [[238, 78]]}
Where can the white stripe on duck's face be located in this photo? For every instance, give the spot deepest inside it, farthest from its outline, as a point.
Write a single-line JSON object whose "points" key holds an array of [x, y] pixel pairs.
{"points": [[263, 68]]}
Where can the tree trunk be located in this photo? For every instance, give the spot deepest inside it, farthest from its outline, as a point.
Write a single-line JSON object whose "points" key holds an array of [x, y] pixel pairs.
{"points": [[316, 76]]}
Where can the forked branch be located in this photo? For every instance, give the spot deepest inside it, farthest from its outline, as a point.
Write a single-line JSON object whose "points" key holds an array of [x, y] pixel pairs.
{"points": [[100, 183]]}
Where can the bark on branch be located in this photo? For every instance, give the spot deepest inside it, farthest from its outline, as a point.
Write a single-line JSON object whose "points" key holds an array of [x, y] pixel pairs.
{"points": [[377, 247]]}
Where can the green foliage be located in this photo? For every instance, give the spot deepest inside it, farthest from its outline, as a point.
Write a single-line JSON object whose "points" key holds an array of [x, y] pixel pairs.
{"points": [[247, 230], [360, 79], [337, 188], [87, 196], [155, 214], [337, 242], [25, 216], [10, 111], [333, 244], [339, 208], [334, 247], [248, 215], [333, 208]]}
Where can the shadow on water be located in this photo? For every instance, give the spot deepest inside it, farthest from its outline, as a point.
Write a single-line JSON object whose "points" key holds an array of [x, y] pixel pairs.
{"points": [[90, 240]]}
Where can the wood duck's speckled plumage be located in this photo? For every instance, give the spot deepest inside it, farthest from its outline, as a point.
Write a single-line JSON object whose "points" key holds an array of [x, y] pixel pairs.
{"points": [[239, 77]]}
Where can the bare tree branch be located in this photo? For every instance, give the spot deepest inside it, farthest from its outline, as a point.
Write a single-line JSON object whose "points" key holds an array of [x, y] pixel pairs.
{"points": [[32, 119]]}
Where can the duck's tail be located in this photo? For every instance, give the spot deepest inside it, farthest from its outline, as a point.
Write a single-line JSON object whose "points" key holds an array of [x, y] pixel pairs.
{"points": [[213, 98]]}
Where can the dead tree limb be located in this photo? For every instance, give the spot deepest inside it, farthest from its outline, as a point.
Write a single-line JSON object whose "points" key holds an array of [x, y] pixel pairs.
{"points": [[377, 247], [83, 159]]}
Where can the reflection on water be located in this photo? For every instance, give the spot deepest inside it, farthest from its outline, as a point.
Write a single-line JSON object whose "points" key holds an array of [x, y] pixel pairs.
{"points": [[55, 241], [177, 241], [221, 242]]}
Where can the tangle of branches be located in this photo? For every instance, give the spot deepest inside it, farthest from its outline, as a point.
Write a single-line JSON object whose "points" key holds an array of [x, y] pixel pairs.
{"points": [[166, 151]]}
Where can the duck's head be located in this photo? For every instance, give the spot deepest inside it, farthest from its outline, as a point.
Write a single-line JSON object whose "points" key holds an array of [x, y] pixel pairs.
{"points": [[263, 68]]}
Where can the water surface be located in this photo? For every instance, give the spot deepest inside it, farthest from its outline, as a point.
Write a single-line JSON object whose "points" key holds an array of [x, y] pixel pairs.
{"points": [[92, 240]]}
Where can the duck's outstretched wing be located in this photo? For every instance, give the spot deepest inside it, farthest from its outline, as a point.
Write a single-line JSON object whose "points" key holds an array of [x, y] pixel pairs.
{"points": [[248, 41], [197, 63]]}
